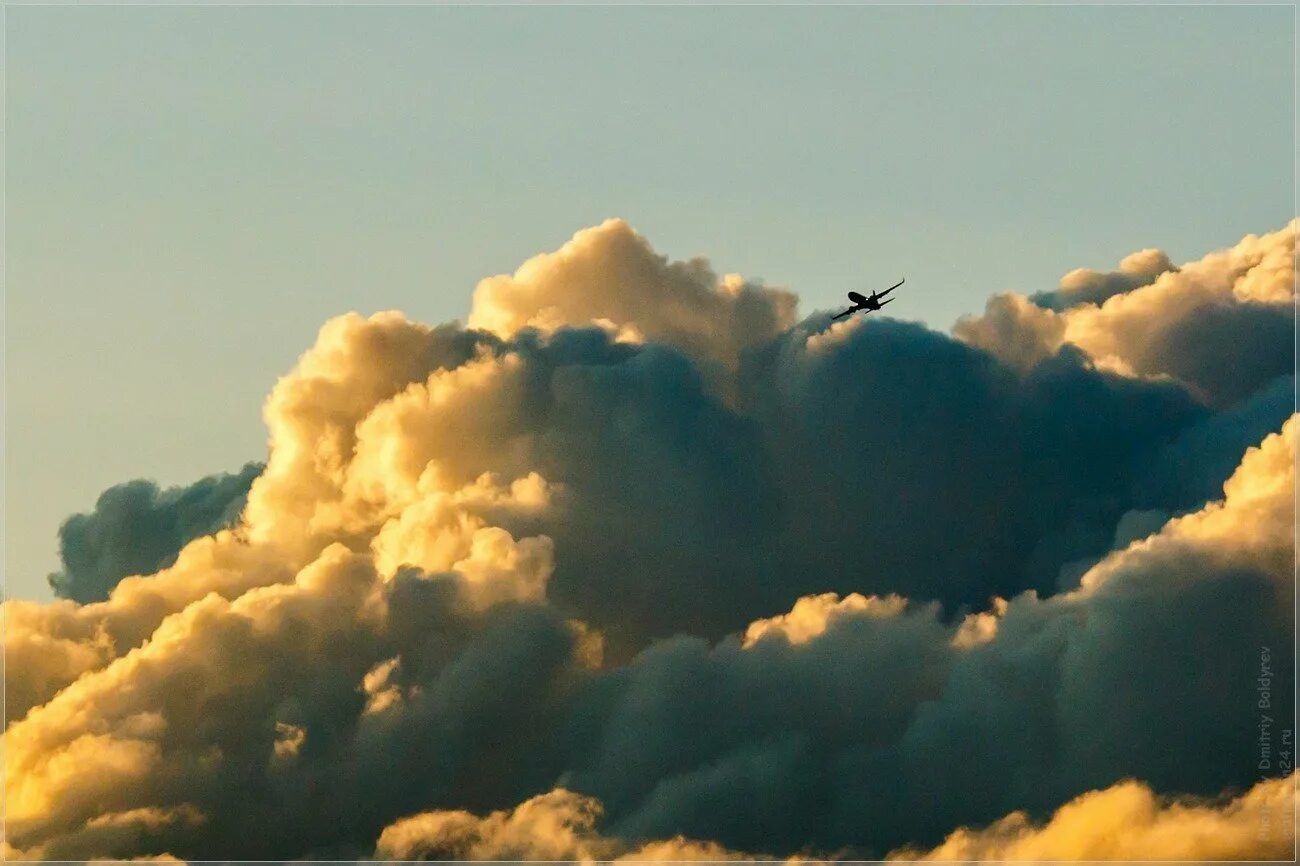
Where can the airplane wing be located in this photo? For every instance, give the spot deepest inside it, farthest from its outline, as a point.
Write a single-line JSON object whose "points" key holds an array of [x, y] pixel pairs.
{"points": [[891, 288], [850, 311]]}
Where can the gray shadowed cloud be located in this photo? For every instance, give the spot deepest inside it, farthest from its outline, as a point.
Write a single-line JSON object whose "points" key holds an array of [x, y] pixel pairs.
{"points": [[1191, 469], [137, 528]]}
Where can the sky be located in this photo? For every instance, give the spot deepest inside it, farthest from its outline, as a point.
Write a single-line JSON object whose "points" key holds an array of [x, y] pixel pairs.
{"points": [[191, 192], [453, 453]]}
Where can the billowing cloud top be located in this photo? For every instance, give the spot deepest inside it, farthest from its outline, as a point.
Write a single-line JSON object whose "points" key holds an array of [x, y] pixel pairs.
{"points": [[640, 566], [1221, 326], [610, 276]]}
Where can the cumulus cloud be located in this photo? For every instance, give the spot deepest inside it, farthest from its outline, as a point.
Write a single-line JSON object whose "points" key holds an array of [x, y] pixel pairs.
{"points": [[962, 479], [236, 708], [1124, 822], [1191, 469], [640, 566], [1222, 326], [1129, 822], [1086, 286], [136, 528], [611, 276], [557, 825], [891, 728], [813, 614]]}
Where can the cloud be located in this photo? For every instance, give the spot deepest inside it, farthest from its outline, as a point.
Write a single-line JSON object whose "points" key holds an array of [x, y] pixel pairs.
{"points": [[1086, 286], [49, 646], [640, 559], [887, 729], [962, 478], [813, 614], [1191, 469], [610, 274], [236, 708], [557, 825], [1129, 822], [1222, 325], [1124, 822], [136, 528]]}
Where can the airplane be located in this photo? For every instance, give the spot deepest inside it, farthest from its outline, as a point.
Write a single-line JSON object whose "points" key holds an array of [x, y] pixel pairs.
{"points": [[868, 304]]}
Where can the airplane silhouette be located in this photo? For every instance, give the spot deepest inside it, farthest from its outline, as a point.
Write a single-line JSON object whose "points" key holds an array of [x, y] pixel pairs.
{"points": [[868, 304]]}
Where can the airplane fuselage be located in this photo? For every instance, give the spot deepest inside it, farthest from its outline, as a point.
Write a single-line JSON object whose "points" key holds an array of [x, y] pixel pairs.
{"points": [[864, 303]]}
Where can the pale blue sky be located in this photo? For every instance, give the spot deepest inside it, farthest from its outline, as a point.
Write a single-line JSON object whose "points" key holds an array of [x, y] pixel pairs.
{"points": [[191, 192]]}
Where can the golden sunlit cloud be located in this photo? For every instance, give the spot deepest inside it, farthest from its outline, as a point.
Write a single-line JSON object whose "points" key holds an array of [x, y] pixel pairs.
{"points": [[1129, 822]]}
